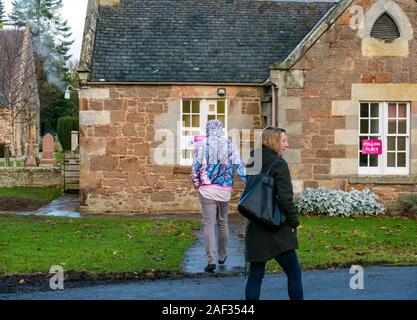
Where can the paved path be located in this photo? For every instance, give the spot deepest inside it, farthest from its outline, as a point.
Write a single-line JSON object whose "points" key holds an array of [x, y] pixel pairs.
{"points": [[195, 259], [380, 283], [66, 205]]}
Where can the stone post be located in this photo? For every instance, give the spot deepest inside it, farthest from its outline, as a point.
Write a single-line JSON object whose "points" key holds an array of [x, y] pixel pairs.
{"points": [[74, 140]]}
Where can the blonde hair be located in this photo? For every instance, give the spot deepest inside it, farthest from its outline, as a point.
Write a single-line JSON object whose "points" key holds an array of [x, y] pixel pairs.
{"points": [[271, 137]]}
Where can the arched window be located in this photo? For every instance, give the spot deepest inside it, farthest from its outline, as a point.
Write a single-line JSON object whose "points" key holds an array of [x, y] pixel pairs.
{"points": [[385, 29]]}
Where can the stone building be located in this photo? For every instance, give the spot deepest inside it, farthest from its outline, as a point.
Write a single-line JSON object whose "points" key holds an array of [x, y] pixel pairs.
{"points": [[332, 74], [19, 98]]}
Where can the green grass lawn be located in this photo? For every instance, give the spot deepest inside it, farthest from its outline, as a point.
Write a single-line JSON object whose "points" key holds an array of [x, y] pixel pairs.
{"points": [[339, 242], [58, 156], [19, 163], [44, 195], [95, 245], [124, 244]]}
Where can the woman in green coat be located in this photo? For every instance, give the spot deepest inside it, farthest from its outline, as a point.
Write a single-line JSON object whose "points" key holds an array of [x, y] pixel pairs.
{"points": [[262, 244]]}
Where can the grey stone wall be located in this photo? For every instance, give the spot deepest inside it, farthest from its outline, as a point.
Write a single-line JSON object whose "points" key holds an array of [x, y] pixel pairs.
{"points": [[31, 177]]}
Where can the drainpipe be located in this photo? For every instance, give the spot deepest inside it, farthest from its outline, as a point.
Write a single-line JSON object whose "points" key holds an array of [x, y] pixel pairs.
{"points": [[274, 105]]}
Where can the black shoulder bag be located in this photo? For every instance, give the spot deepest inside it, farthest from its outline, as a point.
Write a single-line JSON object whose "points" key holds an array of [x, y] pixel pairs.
{"points": [[258, 202]]}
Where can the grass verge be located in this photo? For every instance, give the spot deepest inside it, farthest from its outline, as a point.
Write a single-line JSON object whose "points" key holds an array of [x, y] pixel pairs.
{"points": [[338, 242], [93, 245]]}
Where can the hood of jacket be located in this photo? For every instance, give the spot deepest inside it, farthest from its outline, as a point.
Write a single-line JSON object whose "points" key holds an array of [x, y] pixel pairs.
{"points": [[214, 128]]}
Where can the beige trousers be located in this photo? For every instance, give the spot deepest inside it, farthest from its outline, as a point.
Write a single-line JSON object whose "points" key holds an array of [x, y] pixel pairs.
{"points": [[214, 213]]}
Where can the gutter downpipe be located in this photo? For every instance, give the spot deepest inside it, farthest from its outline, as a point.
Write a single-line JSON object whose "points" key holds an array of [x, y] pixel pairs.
{"points": [[274, 103]]}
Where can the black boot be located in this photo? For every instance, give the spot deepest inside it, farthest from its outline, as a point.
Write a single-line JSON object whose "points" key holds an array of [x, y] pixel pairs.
{"points": [[222, 261], [210, 268]]}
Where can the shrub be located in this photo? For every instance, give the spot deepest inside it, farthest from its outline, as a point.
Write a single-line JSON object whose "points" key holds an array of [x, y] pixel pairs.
{"points": [[405, 206], [64, 127], [324, 201]]}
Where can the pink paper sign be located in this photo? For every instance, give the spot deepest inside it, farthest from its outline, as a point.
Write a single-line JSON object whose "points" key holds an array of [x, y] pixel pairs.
{"points": [[198, 138], [371, 147]]}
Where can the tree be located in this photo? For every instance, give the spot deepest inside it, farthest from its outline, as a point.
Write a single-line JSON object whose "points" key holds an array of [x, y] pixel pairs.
{"points": [[18, 88], [1, 13], [50, 34]]}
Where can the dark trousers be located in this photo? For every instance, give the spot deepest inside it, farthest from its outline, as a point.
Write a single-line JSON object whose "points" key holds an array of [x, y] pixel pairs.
{"points": [[289, 262]]}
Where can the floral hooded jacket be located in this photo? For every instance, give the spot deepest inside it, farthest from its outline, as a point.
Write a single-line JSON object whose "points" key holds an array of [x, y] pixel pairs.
{"points": [[216, 159]]}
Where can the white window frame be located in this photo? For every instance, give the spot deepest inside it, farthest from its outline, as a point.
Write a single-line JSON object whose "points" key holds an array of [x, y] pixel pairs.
{"points": [[383, 169], [204, 113]]}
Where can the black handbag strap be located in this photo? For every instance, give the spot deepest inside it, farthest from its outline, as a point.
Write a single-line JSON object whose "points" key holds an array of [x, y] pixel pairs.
{"points": [[272, 165]]}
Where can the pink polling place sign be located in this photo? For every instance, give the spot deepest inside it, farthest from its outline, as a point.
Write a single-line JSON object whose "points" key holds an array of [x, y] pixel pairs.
{"points": [[198, 138], [371, 146]]}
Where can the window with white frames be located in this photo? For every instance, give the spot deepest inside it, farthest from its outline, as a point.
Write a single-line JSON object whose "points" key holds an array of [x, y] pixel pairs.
{"points": [[390, 123], [194, 116]]}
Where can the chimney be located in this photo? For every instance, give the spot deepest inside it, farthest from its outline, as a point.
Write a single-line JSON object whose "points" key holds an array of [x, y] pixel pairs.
{"points": [[109, 3]]}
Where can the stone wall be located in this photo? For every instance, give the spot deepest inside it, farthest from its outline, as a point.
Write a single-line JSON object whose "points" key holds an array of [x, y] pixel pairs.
{"points": [[117, 140], [31, 177], [322, 111]]}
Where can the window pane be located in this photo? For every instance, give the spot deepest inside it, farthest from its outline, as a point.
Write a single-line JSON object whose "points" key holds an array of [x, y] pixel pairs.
{"points": [[391, 159], [401, 160], [373, 160], [186, 106], [187, 120], [391, 143], [402, 126], [402, 110], [187, 154], [221, 118], [392, 126], [374, 126], [196, 121], [211, 117], [360, 141], [212, 108], [374, 110], [196, 106], [220, 106], [401, 143], [392, 110], [364, 110], [364, 126], [363, 160]]}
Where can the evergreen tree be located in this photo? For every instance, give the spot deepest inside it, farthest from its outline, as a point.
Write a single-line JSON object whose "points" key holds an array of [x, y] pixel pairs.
{"points": [[1, 12], [50, 34]]}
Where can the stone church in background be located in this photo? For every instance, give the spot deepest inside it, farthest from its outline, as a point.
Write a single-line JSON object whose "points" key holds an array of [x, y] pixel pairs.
{"points": [[19, 98]]}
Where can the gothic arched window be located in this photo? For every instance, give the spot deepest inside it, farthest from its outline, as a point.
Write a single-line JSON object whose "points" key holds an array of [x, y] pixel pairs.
{"points": [[385, 29]]}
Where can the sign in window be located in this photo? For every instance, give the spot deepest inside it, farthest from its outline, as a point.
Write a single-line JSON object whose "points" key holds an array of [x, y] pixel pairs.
{"points": [[384, 138]]}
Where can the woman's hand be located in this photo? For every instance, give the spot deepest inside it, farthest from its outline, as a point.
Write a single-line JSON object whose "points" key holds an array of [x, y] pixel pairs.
{"points": [[299, 227]]}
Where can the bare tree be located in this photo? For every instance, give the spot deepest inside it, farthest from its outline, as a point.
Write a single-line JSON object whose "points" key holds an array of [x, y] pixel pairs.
{"points": [[18, 89]]}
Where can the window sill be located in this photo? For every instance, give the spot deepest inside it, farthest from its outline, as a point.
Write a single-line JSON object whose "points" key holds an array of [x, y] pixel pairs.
{"points": [[388, 179], [182, 170]]}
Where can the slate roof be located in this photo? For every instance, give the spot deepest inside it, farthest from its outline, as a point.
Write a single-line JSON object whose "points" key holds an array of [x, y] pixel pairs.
{"points": [[228, 41]]}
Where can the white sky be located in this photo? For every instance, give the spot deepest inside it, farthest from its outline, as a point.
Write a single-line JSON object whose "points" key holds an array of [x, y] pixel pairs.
{"points": [[73, 11]]}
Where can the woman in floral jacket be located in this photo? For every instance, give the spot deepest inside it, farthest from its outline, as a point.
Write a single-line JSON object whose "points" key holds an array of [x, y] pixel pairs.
{"points": [[215, 162]]}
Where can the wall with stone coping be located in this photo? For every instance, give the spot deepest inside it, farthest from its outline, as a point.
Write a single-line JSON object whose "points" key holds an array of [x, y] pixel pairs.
{"points": [[322, 110], [31, 177], [117, 140]]}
